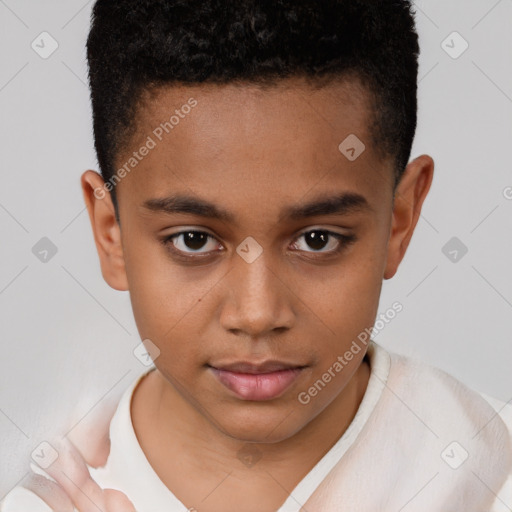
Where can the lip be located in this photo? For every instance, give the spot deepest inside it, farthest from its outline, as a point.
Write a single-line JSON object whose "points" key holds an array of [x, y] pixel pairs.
{"points": [[256, 382], [269, 366]]}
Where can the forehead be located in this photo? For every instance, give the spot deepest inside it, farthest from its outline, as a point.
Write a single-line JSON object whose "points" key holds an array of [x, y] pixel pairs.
{"points": [[248, 140], [293, 107]]}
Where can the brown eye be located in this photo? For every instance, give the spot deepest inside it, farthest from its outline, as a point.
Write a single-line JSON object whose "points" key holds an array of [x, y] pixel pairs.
{"points": [[323, 241], [194, 240], [191, 241], [317, 240]]}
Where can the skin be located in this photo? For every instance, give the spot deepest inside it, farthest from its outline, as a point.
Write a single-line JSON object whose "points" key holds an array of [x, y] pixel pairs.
{"points": [[74, 488], [252, 153]]}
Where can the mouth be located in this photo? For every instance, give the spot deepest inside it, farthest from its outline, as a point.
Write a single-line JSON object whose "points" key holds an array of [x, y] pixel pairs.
{"points": [[257, 382], [269, 366]]}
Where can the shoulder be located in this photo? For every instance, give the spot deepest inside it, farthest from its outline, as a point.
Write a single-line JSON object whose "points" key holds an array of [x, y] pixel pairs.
{"points": [[503, 502], [29, 495], [442, 424], [503, 409], [442, 399], [474, 427], [21, 499]]}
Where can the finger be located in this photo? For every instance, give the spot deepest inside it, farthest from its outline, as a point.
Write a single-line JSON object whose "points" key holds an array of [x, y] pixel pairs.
{"points": [[71, 473], [116, 501], [50, 492], [91, 437], [93, 446]]}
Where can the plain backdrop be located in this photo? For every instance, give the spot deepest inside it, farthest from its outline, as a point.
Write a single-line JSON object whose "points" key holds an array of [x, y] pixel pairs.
{"points": [[68, 339]]}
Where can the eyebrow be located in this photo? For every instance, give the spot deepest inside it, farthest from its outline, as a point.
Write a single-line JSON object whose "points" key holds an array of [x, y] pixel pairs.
{"points": [[337, 204]]}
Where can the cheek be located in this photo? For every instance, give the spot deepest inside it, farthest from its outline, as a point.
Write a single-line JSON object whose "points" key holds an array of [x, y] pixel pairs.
{"points": [[169, 316], [171, 308], [346, 306], [161, 293], [349, 296]]}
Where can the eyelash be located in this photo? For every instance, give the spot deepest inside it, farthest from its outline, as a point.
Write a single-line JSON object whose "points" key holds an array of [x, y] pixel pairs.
{"points": [[344, 242]]}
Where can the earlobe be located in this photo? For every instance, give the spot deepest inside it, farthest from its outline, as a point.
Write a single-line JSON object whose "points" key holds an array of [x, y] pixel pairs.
{"points": [[106, 230], [409, 197]]}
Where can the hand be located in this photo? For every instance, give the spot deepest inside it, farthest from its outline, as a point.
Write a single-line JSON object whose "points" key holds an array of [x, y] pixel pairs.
{"points": [[75, 488]]}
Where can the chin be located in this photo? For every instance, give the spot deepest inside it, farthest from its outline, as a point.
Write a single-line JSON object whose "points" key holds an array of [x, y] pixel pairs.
{"points": [[258, 426]]}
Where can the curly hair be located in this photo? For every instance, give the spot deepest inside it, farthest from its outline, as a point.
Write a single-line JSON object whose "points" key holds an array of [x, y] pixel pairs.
{"points": [[134, 45]]}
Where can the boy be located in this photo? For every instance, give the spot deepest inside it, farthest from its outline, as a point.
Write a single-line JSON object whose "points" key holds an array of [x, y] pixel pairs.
{"points": [[255, 191]]}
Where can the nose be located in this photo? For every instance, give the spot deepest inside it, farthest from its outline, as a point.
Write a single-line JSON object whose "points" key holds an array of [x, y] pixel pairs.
{"points": [[258, 299]]}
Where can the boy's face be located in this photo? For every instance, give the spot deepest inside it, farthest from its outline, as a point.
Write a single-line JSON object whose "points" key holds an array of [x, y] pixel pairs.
{"points": [[260, 284]]}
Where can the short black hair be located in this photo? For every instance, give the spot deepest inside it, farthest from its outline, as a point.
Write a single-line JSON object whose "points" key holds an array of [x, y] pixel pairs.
{"points": [[134, 45]]}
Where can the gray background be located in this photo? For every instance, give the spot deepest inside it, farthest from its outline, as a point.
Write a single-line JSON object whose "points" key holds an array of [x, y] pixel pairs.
{"points": [[67, 338]]}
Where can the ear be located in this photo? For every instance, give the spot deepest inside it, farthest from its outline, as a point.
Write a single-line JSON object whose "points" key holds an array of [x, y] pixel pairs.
{"points": [[106, 230], [409, 197]]}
